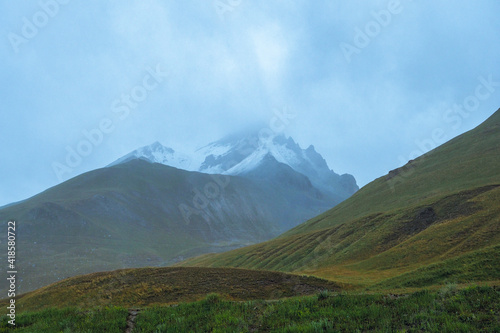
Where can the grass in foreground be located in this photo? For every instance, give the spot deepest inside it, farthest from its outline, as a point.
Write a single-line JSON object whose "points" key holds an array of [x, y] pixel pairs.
{"points": [[448, 310], [108, 319]]}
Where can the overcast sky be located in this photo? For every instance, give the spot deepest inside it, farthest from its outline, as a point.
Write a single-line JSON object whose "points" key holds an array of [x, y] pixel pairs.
{"points": [[372, 83]]}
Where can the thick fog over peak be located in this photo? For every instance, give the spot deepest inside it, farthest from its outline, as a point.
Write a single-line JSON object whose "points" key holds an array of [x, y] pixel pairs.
{"points": [[370, 84]]}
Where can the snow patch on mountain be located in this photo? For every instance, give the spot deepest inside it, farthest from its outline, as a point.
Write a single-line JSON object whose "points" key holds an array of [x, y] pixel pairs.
{"points": [[157, 153], [250, 163]]}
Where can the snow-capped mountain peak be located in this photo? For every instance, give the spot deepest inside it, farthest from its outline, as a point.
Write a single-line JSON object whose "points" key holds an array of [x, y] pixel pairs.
{"points": [[242, 154]]}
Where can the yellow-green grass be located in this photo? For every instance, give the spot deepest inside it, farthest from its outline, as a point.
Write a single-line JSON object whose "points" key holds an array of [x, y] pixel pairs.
{"points": [[161, 286], [384, 246]]}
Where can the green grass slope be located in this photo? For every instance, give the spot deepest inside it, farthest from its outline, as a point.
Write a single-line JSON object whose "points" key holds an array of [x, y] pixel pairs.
{"points": [[468, 161], [443, 205]]}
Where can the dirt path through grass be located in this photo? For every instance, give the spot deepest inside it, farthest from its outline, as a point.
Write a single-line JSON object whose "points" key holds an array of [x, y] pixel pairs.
{"points": [[132, 314]]}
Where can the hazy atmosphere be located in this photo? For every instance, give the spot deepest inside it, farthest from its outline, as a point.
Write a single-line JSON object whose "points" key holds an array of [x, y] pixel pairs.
{"points": [[371, 84]]}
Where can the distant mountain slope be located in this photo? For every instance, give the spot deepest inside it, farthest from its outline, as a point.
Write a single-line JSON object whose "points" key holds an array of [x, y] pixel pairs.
{"points": [[137, 214], [444, 205]]}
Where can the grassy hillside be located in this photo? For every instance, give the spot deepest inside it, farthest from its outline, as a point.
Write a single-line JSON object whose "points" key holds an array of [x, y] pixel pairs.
{"points": [[473, 309], [157, 286], [468, 161], [443, 205]]}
